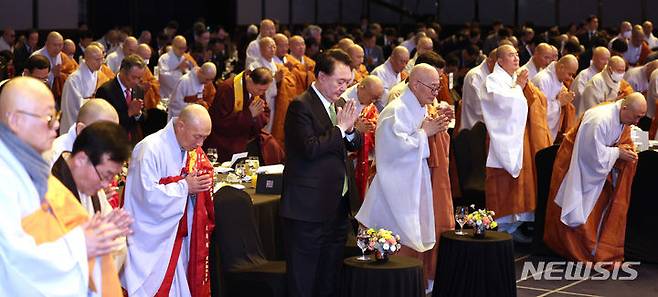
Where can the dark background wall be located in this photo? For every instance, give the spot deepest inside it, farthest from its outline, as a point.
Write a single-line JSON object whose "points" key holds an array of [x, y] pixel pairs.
{"points": [[154, 14]]}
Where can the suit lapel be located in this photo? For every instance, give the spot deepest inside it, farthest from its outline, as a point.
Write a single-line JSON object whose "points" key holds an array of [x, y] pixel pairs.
{"points": [[318, 109], [119, 95]]}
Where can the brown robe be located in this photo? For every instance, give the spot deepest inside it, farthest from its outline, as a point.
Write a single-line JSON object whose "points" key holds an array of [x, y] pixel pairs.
{"points": [[506, 195], [287, 90], [577, 243], [231, 129], [151, 88]]}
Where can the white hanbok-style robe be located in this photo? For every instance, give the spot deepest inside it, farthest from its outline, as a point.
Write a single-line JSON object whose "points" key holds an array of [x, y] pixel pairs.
{"points": [[581, 80], [636, 77], [188, 85], [80, 85], [599, 89], [114, 60], [389, 79], [472, 92], [402, 152], [652, 94], [593, 157], [57, 268], [532, 69], [548, 83], [157, 210], [168, 72]]}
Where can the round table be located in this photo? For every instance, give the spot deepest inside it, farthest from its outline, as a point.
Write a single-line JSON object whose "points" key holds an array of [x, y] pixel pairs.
{"points": [[475, 267], [400, 276]]}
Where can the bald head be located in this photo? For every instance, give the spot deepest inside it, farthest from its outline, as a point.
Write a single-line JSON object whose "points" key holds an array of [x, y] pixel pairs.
{"points": [[130, 46], [356, 54], [424, 45], [491, 59], [423, 80], [282, 45], [399, 58], [345, 44], [297, 46], [371, 88], [192, 126], [93, 57], [207, 72], [95, 110], [617, 64], [600, 57], [26, 105], [633, 108], [69, 47], [267, 48], [566, 68], [54, 43], [508, 58], [625, 26], [637, 36], [144, 51], [650, 67], [179, 45], [543, 55], [267, 28]]}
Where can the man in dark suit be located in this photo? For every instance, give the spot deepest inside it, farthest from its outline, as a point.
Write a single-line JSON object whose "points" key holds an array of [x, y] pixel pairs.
{"points": [[373, 53], [315, 200], [23, 51], [125, 94]]}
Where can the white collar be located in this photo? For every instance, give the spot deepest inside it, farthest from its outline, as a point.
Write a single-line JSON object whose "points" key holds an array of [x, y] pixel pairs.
{"points": [[325, 102]]}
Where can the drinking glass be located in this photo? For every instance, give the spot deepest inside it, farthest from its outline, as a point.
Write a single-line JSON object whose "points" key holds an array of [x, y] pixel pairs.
{"points": [[362, 241], [212, 155], [461, 214]]}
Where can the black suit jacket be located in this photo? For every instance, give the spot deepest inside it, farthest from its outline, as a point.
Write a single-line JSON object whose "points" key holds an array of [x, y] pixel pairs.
{"points": [[21, 54], [111, 91], [316, 161]]}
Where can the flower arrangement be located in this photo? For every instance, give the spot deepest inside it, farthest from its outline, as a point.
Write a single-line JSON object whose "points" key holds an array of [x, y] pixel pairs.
{"points": [[383, 242], [481, 220]]}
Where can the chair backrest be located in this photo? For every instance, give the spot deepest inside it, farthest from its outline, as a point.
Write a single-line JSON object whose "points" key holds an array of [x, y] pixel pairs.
{"points": [[544, 160], [236, 235], [639, 243], [156, 119], [477, 142]]}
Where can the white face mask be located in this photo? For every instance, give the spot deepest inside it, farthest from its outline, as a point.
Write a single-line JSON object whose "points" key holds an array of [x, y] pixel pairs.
{"points": [[627, 34], [616, 77]]}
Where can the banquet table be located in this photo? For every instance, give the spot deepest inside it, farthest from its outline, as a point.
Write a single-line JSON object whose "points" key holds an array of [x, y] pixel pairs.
{"points": [[400, 276]]}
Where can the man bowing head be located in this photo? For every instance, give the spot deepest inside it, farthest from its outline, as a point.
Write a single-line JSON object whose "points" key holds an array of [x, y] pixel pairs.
{"points": [[168, 190], [314, 203]]}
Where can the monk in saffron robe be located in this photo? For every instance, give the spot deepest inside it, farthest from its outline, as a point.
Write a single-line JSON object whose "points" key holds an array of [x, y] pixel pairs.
{"points": [[358, 69], [148, 82], [591, 183], [287, 88]]}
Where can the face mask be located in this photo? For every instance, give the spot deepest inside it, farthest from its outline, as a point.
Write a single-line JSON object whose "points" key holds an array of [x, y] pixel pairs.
{"points": [[627, 34], [616, 77]]}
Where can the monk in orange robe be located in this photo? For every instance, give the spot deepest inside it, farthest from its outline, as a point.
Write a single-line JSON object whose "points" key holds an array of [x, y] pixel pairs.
{"points": [[148, 81], [589, 223], [358, 69]]}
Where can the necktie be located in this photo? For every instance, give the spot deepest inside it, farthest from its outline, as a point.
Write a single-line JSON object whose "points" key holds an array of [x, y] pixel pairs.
{"points": [[332, 116], [129, 96]]}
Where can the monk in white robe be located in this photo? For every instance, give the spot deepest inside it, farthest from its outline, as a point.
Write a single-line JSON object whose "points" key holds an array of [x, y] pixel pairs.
{"points": [[424, 44], [638, 77], [267, 48], [539, 60], [552, 81], [600, 57], [190, 89], [402, 151], [43, 253], [167, 177], [79, 86], [607, 85], [267, 29], [473, 90], [390, 73], [590, 186], [128, 48], [172, 65]]}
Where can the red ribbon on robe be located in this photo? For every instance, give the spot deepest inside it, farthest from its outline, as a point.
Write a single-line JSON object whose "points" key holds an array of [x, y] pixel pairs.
{"points": [[363, 168], [203, 223]]}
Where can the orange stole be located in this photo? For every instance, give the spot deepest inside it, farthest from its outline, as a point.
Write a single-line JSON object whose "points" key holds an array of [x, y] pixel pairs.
{"points": [[104, 75], [360, 74], [625, 89], [578, 243], [507, 195], [303, 73], [151, 89], [287, 90], [60, 212], [68, 66], [363, 172]]}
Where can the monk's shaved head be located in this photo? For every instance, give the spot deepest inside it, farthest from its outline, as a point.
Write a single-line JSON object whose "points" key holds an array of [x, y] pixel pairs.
{"points": [[144, 51], [566, 68], [423, 80], [399, 58], [207, 72], [356, 54], [650, 67], [99, 45], [600, 57], [179, 45], [617, 64], [282, 45], [279, 37], [373, 89], [267, 48], [297, 46], [267, 28], [569, 61], [633, 108], [508, 58], [27, 108], [192, 126], [95, 110], [130, 45], [543, 55], [69, 47], [93, 57], [424, 45], [345, 43], [54, 43]]}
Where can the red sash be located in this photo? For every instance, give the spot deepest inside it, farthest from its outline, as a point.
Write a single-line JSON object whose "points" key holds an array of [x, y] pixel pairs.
{"points": [[362, 172], [203, 223]]}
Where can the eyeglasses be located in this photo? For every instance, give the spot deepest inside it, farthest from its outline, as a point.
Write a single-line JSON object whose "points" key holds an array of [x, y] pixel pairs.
{"points": [[50, 119], [433, 89], [103, 180]]}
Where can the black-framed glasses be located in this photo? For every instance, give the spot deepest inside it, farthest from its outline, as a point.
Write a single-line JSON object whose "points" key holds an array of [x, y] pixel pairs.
{"points": [[433, 89], [50, 119], [101, 178]]}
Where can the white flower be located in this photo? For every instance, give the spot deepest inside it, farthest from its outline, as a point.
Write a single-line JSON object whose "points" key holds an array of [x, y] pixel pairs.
{"points": [[386, 246], [393, 248], [382, 240], [479, 222]]}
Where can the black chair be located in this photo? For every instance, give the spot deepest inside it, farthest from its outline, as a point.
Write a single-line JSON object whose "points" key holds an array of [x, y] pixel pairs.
{"points": [[644, 123], [544, 160], [640, 243], [471, 157], [238, 264], [155, 119]]}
